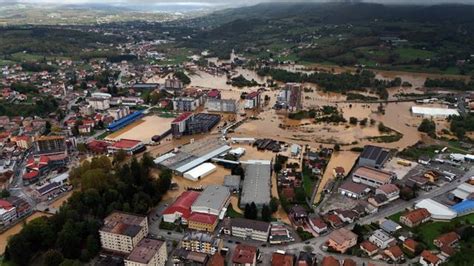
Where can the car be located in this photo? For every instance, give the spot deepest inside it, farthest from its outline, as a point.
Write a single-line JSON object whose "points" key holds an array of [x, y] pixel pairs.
{"points": [[169, 233], [230, 241]]}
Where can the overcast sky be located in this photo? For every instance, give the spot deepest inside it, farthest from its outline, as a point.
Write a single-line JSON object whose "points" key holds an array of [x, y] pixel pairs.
{"points": [[224, 2]]}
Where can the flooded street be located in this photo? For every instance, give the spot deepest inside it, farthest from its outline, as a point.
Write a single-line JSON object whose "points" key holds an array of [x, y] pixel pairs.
{"points": [[345, 159]]}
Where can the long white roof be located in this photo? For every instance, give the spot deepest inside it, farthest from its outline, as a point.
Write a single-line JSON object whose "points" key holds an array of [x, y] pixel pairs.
{"points": [[434, 111], [437, 210]]}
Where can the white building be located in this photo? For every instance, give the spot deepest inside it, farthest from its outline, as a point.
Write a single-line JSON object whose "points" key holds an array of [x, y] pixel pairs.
{"points": [[200, 171], [100, 104], [437, 210], [122, 231], [381, 239], [213, 200], [433, 111], [7, 212], [120, 112]]}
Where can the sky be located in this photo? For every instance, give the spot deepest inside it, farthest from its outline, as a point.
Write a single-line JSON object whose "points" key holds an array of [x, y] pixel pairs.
{"points": [[225, 2]]}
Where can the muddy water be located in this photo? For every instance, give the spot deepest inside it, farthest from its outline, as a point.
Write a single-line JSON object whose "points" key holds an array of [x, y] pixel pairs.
{"points": [[16, 229], [345, 159]]}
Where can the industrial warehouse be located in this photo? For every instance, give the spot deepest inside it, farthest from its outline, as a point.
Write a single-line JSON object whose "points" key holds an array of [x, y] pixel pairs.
{"points": [[125, 121], [190, 124], [192, 155], [256, 186]]}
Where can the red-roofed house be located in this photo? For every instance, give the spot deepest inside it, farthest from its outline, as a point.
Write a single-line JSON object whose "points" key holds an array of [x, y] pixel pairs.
{"points": [[369, 248], [279, 259], [252, 100], [446, 240], [330, 261], [394, 252], [38, 164], [30, 177], [415, 217], [97, 146], [202, 222], [214, 93], [7, 212], [130, 146], [318, 225], [244, 255], [181, 208], [429, 259], [410, 245]]}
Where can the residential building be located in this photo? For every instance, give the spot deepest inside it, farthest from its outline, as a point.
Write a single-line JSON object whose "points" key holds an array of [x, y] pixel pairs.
{"points": [[173, 84], [410, 245], [130, 146], [252, 100], [390, 226], [395, 253], [185, 104], [201, 242], [99, 104], [121, 231], [318, 225], [148, 252], [291, 96], [447, 240], [372, 177], [369, 248], [244, 255], [298, 214], [7, 212], [248, 229], [373, 156], [181, 207], [427, 258], [279, 259], [381, 239], [221, 105], [256, 186], [342, 239], [216, 260], [119, 112], [378, 200], [415, 217], [330, 261], [391, 191], [23, 142], [50, 145], [306, 259]]}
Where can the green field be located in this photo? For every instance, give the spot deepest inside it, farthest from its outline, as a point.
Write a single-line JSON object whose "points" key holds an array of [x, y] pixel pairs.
{"points": [[412, 53]]}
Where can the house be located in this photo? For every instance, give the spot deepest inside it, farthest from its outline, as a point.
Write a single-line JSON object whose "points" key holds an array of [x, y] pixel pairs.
{"points": [[341, 240], [427, 258], [446, 240], [330, 261], [410, 245], [415, 217], [333, 220], [346, 216], [306, 259], [339, 172], [216, 260], [390, 226], [378, 200], [369, 248], [349, 262], [298, 214], [7, 212], [318, 225], [381, 239], [394, 253], [391, 191], [279, 259], [244, 255]]}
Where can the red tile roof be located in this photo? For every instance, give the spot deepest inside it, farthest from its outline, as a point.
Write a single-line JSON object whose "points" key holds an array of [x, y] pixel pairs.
{"points": [[126, 144], [349, 262], [410, 243], [318, 222], [330, 261], [447, 239], [202, 218], [244, 254], [5, 205], [368, 246], [395, 251], [182, 117], [418, 215], [213, 93], [282, 259], [30, 175], [430, 257], [183, 204]]}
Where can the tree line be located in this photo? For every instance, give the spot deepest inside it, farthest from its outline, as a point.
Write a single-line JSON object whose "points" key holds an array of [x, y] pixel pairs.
{"points": [[71, 236]]}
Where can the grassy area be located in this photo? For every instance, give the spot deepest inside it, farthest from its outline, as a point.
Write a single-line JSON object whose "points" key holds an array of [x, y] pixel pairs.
{"points": [[431, 230], [103, 135], [386, 138], [412, 53], [396, 217], [233, 213], [308, 184], [413, 153]]}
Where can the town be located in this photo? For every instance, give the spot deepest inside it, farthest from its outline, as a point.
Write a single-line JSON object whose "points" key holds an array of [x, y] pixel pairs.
{"points": [[144, 159]]}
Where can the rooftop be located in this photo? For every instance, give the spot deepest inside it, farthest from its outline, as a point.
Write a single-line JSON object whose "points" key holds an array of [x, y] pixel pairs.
{"points": [[123, 223], [183, 204], [244, 254], [213, 197], [257, 183], [203, 218], [374, 174], [377, 154], [126, 144], [145, 250], [341, 235], [247, 223]]}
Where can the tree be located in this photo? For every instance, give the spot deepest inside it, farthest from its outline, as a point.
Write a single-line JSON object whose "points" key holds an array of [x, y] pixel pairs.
{"points": [[353, 120], [337, 147], [4, 194], [238, 170], [52, 257], [428, 126], [251, 211], [274, 203], [120, 156], [266, 213], [407, 193], [82, 147]]}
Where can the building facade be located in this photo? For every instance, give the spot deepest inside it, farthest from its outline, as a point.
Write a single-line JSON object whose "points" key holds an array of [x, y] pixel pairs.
{"points": [[121, 232]]}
